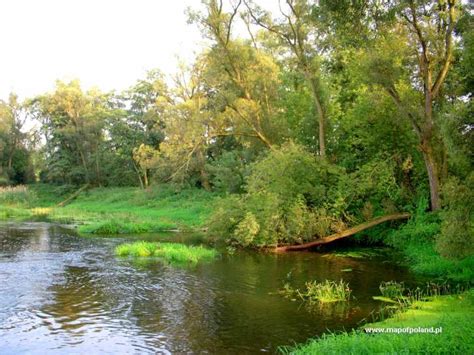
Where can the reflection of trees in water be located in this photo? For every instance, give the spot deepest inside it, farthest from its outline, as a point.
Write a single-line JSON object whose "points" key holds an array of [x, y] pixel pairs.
{"points": [[24, 237], [79, 301], [251, 281], [213, 307], [340, 310], [161, 307], [174, 305]]}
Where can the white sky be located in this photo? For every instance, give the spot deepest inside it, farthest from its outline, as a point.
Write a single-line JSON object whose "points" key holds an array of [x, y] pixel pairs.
{"points": [[105, 43]]}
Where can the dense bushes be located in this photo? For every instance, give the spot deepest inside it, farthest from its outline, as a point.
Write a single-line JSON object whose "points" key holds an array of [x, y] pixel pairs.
{"points": [[417, 241], [292, 196], [456, 240]]}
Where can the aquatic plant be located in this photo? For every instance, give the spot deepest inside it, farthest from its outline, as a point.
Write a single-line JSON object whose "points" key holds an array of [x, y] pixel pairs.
{"points": [[392, 289], [170, 252], [327, 291], [323, 292]]}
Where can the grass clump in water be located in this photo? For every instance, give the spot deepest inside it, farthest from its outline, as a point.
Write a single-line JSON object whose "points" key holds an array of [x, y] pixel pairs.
{"points": [[392, 289], [323, 292], [170, 252]]}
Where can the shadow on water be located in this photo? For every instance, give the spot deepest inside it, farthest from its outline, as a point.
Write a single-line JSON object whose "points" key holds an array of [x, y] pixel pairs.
{"points": [[63, 293]]}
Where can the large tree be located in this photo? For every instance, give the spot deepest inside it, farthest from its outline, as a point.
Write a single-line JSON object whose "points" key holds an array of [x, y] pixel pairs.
{"points": [[296, 31], [411, 60]]}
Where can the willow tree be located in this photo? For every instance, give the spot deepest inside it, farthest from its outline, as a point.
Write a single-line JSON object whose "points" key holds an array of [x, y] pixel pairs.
{"points": [[188, 128], [297, 31], [243, 80]]}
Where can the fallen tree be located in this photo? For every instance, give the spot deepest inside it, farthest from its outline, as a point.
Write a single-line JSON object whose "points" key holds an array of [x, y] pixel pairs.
{"points": [[344, 234], [73, 196]]}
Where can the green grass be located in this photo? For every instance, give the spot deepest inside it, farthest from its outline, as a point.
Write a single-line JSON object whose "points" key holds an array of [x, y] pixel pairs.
{"points": [[453, 313], [422, 258], [118, 210], [171, 252]]}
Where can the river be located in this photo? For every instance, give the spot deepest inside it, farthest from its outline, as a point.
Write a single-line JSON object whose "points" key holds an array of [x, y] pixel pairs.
{"points": [[68, 294]]}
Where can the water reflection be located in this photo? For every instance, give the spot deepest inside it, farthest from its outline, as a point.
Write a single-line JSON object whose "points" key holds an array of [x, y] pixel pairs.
{"points": [[61, 293]]}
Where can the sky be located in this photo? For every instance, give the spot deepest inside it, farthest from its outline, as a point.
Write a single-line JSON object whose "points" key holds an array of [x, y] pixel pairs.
{"points": [[105, 43], [109, 44]]}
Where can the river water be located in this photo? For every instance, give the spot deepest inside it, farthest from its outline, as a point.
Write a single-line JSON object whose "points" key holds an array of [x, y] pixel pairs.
{"points": [[61, 293]]}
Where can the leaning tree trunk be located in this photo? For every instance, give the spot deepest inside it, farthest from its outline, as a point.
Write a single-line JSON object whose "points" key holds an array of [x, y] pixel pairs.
{"points": [[344, 234]]}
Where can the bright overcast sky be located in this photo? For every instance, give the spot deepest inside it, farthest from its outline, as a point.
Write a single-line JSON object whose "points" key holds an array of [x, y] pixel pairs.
{"points": [[104, 43]]}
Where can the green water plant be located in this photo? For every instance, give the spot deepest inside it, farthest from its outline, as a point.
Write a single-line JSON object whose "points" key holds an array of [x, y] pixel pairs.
{"points": [[170, 252], [392, 289], [322, 292]]}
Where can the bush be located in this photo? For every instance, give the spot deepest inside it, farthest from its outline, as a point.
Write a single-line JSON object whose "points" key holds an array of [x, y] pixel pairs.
{"points": [[293, 196], [283, 204], [420, 229], [456, 239], [227, 172], [417, 240], [292, 172]]}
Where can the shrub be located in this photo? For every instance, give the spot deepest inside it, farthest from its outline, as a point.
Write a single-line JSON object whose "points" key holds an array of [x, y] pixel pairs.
{"points": [[291, 172], [247, 229], [228, 171], [420, 229], [283, 204], [456, 238]]}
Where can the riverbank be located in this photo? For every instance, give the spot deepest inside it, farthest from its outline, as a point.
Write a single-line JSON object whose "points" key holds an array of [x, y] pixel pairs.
{"points": [[118, 210], [450, 316], [131, 210]]}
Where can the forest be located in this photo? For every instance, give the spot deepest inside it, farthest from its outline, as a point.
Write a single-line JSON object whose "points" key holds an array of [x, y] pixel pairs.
{"points": [[288, 127]]}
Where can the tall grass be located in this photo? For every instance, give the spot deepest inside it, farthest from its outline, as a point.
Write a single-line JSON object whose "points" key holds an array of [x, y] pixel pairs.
{"points": [[170, 252], [16, 195]]}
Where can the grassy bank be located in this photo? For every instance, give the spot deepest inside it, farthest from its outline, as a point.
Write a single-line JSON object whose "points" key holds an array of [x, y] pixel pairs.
{"points": [[110, 210], [452, 313]]}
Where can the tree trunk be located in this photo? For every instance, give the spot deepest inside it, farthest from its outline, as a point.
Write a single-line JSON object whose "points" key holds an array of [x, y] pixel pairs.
{"points": [[202, 171], [344, 234], [145, 177], [73, 196], [139, 175], [321, 119], [433, 177]]}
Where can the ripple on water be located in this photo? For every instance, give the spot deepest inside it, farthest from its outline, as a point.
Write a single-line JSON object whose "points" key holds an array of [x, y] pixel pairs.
{"points": [[60, 293]]}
